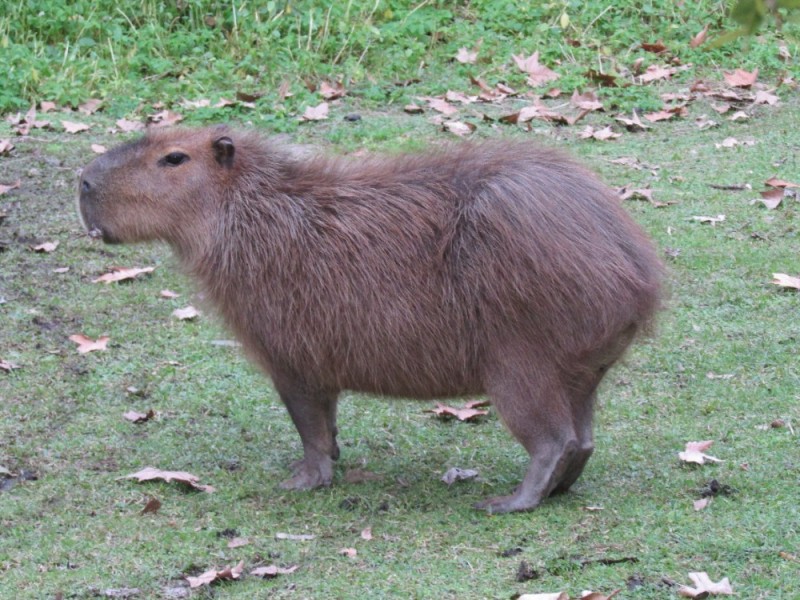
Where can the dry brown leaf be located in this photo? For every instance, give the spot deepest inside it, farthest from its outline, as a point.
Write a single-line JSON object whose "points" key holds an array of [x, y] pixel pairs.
{"points": [[99, 149], [466, 57], [633, 123], [784, 280], [554, 596], [331, 91], [655, 47], [460, 97], [46, 247], [122, 274], [443, 106], [740, 78], [721, 108], [360, 476], [538, 74], [366, 534], [586, 101], [46, 106], [700, 38], [4, 189], [454, 474], [603, 134], [86, 344], [462, 414], [202, 103], [152, 506], [137, 417], [212, 576], [349, 552], [150, 474], [61, 270], [8, 366], [770, 198], [712, 220], [739, 115], [90, 106], [598, 595], [459, 128], [780, 183], [72, 127], [655, 72], [238, 542], [661, 115], [127, 126], [695, 453], [295, 537], [702, 503], [732, 142], [764, 97], [315, 113], [186, 314], [271, 571], [703, 586], [6, 146], [413, 109], [168, 294], [477, 404], [165, 118]]}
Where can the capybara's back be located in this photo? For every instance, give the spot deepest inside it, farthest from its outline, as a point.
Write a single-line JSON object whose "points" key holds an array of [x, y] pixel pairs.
{"points": [[497, 267]]}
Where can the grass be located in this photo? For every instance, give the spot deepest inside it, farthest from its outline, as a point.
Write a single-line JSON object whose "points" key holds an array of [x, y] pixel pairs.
{"points": [[77, 530]]}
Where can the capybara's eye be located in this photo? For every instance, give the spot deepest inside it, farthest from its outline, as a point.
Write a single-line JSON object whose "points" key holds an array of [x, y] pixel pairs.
{"points": [[175, 158]]}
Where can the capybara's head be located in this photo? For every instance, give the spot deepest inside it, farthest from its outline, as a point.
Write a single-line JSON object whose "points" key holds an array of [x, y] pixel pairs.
{"points": [[140, 190]]}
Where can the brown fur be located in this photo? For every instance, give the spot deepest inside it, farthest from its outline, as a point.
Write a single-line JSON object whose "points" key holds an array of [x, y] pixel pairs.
{"points": [[498, 268]]}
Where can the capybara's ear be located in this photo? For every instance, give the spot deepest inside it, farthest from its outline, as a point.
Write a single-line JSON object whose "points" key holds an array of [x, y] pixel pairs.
{"points": [[224, 151]]}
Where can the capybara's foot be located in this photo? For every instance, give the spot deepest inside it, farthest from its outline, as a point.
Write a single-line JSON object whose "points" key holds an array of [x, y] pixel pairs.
{"points": [[310, 474], [505, 504]]}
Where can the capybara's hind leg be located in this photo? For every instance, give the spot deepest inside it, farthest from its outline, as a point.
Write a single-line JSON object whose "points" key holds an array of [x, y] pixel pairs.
{"points": [[313, 413], [535, 408], [582, 416]]}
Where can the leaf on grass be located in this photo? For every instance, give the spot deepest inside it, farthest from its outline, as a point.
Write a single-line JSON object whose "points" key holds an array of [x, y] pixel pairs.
{"points": [[150, 474], [661, 115], [712, 220], [537, 73], [700, 38], [721, 108], [466, 57], [99, 149], [413, 109], [295, 537], [656, 72], [456, 474], [703, 586], [603, 134], [702, 503], [780, 183], [360, 476], [764, 97], [238, 542], [332, 91], [349, 552], [46, 247], [538, 110], [740, 78], [46, 106], [460, 97], [186, 314], [6, 146], [366, 534], [4, 189], [654, 47], [122, 274], [127, 126], [315, 113], [86, 344], [633, 123], [695, 453], [165, 118], [587, 101], [770, 198], [784, 280], [477, 404], [137, 417], [8, 366], [459, 128], [72, 127], [739, 115], [732, 142], [169, 294], [90, 106], [554, 596], [272, 571], [462, 414], [152, 506], [598, 595], [442, 106], [212, 576]]}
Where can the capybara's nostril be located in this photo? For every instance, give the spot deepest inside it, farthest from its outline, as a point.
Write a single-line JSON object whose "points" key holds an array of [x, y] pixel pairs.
{"points": [[85, 186]]}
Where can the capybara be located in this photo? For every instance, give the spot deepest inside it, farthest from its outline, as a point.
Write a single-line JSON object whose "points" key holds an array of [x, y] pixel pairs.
{"points": [[496, 267]]}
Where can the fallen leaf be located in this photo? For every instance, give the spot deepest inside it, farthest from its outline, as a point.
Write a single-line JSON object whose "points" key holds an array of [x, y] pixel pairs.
{"points": [[360, 476], [168, 294], [443, 106], [732, 143], [784, 280], [8, 366], [238, 542], [593, 508], [704, 585], [538, 74], [72, 127], [721, 108], [202, 103], [462, 414], [46, 247], [209, 577], [150, 474], [152, 506], [694, 453], [656, 72], [739, 115], [656, 47], [466, 57], [587, 101], [459, 128], [366, 534], [137, 417], [90, 106], [661, 115], [477, 404], [127, 126], [780, 183], [598, 595], [704, 122], [6, 146], [295, 537], [702, 503], [99, 149], [86, 344], [740, 78], [456, 474], [349, 552], [764, 97], [315, 113], [605, 79], [165, 118], [273, 571], [249, 97], [555, 596], [122, 274], [332, 91], [46, 106], [413, 109], [599, 134], [770, 198], [460, 97], [186, 314], [712, 220], [633, 123], [4, 189], [700, 38]]}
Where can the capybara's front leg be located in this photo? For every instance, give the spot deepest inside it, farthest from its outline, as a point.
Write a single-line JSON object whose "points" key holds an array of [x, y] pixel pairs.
{"points": [[314, 415]]}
